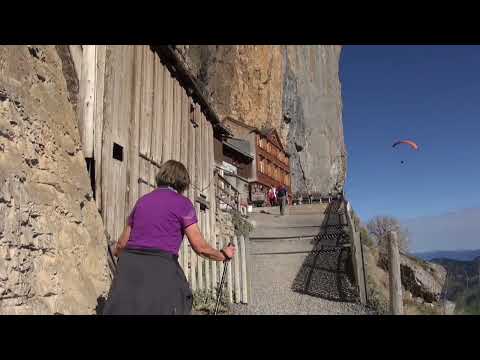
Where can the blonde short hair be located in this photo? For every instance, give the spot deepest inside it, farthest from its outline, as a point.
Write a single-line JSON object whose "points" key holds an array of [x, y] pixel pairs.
{"points": [[174, 174]]}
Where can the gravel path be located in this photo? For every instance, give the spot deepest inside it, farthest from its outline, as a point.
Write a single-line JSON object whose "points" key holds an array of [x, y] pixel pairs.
{"points": [[277, 265]]}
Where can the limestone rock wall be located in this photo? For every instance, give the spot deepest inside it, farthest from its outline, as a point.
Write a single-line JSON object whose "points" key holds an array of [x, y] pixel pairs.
{"points": [[312, 109], [52, 245], [295, 89]]}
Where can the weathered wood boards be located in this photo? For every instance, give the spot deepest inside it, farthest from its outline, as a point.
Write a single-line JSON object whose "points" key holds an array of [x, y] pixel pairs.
{"points": [[357, 258], [396, 297], [98, 119], [139, 116], [236, 266], [243, 262], [87, 99]]}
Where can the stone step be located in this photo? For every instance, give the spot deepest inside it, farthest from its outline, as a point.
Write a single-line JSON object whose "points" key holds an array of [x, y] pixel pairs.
{"points": [[276, 246], [284, 232]]}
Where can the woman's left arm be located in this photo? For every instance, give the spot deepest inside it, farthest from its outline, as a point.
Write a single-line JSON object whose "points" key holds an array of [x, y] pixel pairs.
{"points": [[122, 241]]}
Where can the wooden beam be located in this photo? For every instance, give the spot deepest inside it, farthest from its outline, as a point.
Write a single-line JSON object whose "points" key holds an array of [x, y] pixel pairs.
{"points": [[396, 297], [147, 102], [157, 135], [169, 56], [134, 134], [236, 266], [87, 99], [357, 258], [108, 118], [243, 258], [212, 210], [98, 131]]}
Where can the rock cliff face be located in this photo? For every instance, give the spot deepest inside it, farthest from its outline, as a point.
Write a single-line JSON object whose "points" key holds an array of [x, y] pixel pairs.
{"points": [[52, 246], [295, 89]]}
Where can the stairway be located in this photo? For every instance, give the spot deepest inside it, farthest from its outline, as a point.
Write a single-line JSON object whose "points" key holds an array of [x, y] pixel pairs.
{"points": [[299, 263]]}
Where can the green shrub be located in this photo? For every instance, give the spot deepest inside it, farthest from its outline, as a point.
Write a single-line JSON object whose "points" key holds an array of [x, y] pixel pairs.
{"points": [[204, 300], [242, 226], [365, 238]]}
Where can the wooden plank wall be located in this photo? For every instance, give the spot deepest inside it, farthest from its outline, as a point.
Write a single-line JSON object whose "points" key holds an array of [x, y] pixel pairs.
{"points": [[142, 108]]}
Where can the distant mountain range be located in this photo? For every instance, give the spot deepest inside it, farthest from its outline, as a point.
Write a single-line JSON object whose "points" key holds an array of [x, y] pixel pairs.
{"points": [[463, 282], [461, 255]]}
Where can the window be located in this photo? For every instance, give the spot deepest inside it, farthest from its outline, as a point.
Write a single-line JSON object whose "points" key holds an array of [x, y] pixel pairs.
{"points": [[117, 152], [262, 165]]}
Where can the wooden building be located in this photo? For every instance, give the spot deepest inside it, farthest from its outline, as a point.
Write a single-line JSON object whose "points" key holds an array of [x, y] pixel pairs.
{"points": [[139, 107], [270, 165]]}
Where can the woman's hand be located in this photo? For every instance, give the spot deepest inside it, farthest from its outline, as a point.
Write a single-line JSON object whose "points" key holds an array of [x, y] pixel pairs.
{"points": [[230, 250], [122, 241]]}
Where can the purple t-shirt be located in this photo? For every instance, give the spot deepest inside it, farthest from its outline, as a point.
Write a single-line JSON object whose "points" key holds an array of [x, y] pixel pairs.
{"points": [[159, 220]]}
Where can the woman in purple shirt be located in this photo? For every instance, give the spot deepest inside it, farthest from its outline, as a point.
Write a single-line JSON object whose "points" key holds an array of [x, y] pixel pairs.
{"points": [[149, 279]]}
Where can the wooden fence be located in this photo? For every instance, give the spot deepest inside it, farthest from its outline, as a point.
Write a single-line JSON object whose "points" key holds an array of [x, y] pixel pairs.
{"points": [[227, 195], [237, 277], [135, 115], [356, 251]]}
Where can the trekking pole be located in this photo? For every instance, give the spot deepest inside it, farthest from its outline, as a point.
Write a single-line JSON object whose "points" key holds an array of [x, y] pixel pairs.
{"points": [[219, 294]]}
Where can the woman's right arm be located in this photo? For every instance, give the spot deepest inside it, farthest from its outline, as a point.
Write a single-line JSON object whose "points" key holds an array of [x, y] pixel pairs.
{"points": [[202, 248]]}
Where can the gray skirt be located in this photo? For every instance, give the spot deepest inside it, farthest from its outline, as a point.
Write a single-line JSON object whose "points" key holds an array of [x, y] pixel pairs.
{"points": [[149, 282]]}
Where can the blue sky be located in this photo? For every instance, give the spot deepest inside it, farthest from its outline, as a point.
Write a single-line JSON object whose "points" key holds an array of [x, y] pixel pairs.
{"points": [[430, 94]]}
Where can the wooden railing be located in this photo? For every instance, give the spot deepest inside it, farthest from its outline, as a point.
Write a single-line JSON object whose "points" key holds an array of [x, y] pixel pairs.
{"points": [[237, 274], [312, 197], [226, 193], [357, 251]]}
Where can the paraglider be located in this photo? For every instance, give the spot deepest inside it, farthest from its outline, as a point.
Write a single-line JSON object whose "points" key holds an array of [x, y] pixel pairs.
{"points": [[412, 144], [408, 142]]}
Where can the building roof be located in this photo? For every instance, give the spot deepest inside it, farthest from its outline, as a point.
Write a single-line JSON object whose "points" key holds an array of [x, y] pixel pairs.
{"points": [[171, 59], [266, 131], [237, 122], [240, 145], [272, 134]]}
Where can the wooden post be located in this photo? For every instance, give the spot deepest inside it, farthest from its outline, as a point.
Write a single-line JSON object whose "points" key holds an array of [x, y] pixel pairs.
{"points": [[184, 159], [87, 99], [205, 176], [229, 281], [191, 192], [135, 130], [236, 266], [213, 207], [98, 132], [396, 299], [357, 257], [243, 257]]}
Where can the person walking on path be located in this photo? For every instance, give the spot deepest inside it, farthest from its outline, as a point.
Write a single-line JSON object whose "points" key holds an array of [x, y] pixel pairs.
{"points": [[282, 197], [149, 279]]}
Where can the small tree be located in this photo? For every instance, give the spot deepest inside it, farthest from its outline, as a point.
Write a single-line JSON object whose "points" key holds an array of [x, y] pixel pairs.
{"points": [[380, 226], [365, 238]]}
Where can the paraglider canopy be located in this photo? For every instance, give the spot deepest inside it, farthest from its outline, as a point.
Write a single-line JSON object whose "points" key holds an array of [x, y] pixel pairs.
{"points": [[408, 142]]}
